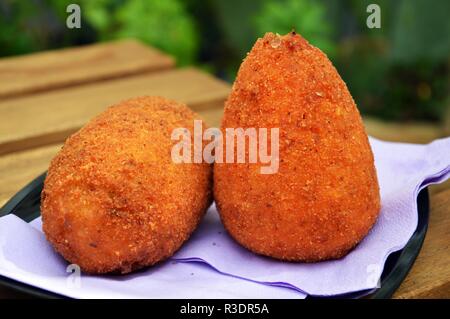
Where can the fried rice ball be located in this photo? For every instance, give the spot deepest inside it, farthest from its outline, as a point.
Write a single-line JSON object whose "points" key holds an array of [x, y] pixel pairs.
{"points": [[324, 198], [113, 199]]}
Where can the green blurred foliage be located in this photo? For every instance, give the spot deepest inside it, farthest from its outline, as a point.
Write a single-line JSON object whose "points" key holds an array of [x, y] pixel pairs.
{"points": [[163, 24], [35, 25], [421, 31], [307, 17], [234, 18], [242, 22], [399, 72], [14, 20]]}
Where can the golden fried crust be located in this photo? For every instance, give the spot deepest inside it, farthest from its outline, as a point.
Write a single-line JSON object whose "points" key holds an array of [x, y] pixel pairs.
{"points": [[113, 200], [325, 197]]}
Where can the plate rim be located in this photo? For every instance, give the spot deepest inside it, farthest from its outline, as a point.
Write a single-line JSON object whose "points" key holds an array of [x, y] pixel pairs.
{"points": [[390, 281]]}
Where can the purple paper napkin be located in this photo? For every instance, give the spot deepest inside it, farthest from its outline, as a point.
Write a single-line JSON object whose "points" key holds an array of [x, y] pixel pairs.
{"points": [[212, 265], [26, 256], [403, 170]]}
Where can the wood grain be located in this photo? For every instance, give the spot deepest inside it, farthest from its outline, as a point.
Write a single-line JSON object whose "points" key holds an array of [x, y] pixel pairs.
{"points": [[212, 116], [20, 168], [403, 132], [17, 169], [52, 116], [61, 68], [430, 275], [45, 97]]}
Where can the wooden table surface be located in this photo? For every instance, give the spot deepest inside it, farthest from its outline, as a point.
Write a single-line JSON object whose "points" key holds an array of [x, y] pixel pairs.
{"points": [[47, 96]]}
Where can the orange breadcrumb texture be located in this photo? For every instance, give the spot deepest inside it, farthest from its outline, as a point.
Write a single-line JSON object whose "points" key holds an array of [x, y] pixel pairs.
{"points": [[325, 197], [113, 200]]}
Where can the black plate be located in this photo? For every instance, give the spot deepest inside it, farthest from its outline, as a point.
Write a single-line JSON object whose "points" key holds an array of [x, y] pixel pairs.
{"points": [[25, 204]]}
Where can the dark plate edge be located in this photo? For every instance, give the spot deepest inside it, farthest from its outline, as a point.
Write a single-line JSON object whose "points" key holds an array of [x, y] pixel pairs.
{"points": [[391, 279]]}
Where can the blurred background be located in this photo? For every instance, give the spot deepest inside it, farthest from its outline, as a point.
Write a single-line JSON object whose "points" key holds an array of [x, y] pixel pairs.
{"points": [[399, 72]]}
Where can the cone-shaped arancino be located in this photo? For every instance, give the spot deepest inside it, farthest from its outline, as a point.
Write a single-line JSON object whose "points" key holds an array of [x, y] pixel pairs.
{"points": [[324, 197]]}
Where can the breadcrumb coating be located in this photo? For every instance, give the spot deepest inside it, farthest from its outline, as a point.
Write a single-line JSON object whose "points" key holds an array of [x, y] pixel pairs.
{"points": [[325, 197], [113, 200]]}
